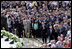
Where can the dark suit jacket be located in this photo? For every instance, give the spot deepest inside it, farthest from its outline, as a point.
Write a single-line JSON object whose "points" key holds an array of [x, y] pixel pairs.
{"points": [[49, 25], [19, 26], [31, 27], [39, 24], [51, 33], [44, 31]]}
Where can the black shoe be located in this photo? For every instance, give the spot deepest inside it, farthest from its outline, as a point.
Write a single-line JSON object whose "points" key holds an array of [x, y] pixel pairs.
{"points": [[22, 44], [1, 36], [7, 39], [12, 42]]}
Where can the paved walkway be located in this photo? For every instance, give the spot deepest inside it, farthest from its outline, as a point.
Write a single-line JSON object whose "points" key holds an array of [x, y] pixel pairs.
{"points": [[5, 44]]}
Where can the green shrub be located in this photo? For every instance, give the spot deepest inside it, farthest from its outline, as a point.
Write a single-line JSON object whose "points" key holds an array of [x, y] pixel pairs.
{"points": [[10, 36], [14, 39], [19, 45], [18, 39], [6, 34], [3, 33]]}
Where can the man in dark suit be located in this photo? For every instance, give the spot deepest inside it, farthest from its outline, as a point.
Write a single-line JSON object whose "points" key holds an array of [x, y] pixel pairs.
{"points": [[44, 32], [19, 26], [39, 29], [31, 27], [51, 32], [49, 24]]}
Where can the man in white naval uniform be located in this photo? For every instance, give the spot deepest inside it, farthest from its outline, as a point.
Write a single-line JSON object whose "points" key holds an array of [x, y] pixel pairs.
{"points": [[26, 23]]}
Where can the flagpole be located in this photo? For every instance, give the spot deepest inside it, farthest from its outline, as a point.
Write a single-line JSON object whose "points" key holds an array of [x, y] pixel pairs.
{"points": [[33, 41], [38, 43], [23, 34]]}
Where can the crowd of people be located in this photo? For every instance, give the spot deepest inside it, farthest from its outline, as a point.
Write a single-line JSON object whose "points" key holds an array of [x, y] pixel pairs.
{"points": [[42, 19]]}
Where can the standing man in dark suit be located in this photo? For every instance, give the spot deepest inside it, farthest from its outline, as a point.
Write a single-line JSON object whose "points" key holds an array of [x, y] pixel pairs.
{"points": [[49, 23], [31, 27], [19, 26], [44, 32], [51, 32], [39, 30]]}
